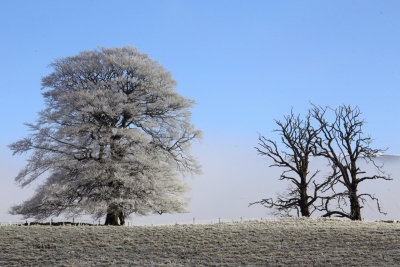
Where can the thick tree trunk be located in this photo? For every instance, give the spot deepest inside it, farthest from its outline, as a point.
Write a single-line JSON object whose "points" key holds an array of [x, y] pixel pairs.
{"points": [[113, 215], [304, 207], [355, 208], [112, 218]]}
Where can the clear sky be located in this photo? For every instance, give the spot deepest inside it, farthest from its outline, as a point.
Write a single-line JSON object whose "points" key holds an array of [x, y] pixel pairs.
{"points": [[244, 62]]}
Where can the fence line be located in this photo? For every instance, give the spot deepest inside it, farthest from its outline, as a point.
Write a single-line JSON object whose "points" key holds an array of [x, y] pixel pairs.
{"points": [[131, 224], [52, 222]]}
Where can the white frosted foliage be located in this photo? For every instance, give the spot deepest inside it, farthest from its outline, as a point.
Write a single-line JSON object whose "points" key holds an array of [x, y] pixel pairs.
{"points": [[114, 135]]}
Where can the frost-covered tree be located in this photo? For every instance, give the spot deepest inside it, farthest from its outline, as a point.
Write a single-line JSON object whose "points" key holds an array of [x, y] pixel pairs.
{"points": [[112, 140]]}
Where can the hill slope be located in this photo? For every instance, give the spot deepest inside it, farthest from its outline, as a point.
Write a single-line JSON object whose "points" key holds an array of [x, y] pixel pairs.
{"points": [[320, 242]]}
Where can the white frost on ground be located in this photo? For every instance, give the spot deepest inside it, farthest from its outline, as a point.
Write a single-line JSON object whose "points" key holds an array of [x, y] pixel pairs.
{"points": [[289, 241]]}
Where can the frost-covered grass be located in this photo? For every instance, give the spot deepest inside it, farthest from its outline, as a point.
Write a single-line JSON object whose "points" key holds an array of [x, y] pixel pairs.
{"points": [[321, 242]]}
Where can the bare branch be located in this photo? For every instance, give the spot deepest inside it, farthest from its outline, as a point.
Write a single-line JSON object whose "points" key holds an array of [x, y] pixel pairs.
{"points": [[298, 138], [343, 144]]}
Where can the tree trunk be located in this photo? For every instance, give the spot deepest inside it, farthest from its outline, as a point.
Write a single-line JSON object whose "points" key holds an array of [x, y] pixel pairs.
{"points": [[121, 217], [113, 214], [304, 207], [112, 218], [355, 209]]}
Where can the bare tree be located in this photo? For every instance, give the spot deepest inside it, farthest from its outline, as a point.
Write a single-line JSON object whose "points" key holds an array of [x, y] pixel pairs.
{"points": [[111, 141], [298, 139], [344, 144]]}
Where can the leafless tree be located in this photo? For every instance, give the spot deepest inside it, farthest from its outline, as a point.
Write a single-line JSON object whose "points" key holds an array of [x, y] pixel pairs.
{"points": [[344, 144], [298, 139]]}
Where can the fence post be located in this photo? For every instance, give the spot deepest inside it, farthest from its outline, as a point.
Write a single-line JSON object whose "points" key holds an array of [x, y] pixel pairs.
{"points": [[219, 220], [193, 220]]}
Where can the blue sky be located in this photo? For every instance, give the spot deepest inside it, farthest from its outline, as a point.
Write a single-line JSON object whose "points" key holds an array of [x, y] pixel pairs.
{"points": [[244, 62]]}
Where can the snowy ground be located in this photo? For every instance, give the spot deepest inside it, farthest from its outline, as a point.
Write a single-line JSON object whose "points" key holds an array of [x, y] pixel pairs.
{"points": [[318, 242]]}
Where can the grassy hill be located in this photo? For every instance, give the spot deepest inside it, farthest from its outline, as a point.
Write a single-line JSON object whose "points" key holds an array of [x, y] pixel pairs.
{"points": [[318, 242]]}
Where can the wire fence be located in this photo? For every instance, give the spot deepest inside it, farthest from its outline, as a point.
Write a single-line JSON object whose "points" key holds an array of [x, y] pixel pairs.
{"points": [[74, 222], [51, 223], [80, 222]]}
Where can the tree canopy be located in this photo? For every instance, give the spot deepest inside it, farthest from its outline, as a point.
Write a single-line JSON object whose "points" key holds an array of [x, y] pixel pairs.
{"points": [[112, 140]]}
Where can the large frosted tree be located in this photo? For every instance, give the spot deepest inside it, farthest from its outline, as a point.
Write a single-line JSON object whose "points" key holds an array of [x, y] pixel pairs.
{"points": [[112, 140]]}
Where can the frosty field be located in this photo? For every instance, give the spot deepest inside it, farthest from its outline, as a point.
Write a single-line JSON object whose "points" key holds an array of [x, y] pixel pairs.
{"points": [[318, 242]]}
